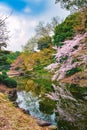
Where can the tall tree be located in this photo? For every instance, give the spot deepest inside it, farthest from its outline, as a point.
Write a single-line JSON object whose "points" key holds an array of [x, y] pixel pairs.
{"points": [[30, 45], [44, 30], [3, 33], [70, 4]]}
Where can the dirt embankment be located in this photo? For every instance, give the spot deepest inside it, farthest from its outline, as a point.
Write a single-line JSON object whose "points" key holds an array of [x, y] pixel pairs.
{"points": [[13, 118]]}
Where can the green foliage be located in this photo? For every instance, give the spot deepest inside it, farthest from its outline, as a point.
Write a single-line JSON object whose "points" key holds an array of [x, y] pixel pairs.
{"points": [[63, 59], [30, 45], [47, 106], [35, 63], [72, 4], [66, 125], [75, 60], [45, 83], [73, 71], [4, 74], [1, 79], [65, 30], [77, 88], [9, 82], [78, 91], [44, 42], [6, 58]]}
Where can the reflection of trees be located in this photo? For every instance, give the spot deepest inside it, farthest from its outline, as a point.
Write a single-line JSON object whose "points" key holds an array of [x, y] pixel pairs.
{"points": [[71, 112], [47, 106]]}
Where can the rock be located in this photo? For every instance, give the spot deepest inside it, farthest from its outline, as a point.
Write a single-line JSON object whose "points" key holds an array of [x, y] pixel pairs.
{"points": [[25, 111], [15, 104], [12, 95], [52, 127], [43, 123]]}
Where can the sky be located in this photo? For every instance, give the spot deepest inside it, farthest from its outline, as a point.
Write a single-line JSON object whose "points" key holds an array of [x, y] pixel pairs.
{"points": [[24, 16]]}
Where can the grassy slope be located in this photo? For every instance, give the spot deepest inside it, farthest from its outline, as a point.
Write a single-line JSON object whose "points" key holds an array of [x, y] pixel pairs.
{"points": [[12, 118]]}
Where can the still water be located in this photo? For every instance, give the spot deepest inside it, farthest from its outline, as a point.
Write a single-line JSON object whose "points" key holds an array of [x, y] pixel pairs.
{"points": [[68, 111], [28, 101]]}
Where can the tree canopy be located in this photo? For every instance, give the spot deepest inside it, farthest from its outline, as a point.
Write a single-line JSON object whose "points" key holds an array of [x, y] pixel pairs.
{"points": [[74, 24], [43, 30], [69, 4]]}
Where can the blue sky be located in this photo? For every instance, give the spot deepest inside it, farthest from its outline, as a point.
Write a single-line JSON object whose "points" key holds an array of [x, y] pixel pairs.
{"points": [[26, 14], [27, 7]]}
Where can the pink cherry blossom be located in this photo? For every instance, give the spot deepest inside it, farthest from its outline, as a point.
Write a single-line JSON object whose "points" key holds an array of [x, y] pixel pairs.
{"points": [[68, 49]]}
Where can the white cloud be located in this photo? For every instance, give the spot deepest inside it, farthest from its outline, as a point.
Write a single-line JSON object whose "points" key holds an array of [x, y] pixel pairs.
{"points": [[52, 11], [27, 10], [21, 30], [22, 27]]}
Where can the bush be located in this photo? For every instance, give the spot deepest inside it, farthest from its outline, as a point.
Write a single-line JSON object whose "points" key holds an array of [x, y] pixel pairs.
{"points": [[1, 79], [67, 29], [4, 75], [44, 42], [6, 58], [11, 83]]}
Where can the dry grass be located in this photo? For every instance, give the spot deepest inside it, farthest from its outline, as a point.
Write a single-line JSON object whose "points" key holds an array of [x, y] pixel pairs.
{"points": [[12, 118]]}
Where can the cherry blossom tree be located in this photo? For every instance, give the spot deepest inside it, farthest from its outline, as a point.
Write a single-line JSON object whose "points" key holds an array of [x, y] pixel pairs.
{"points": [[69, 48]]}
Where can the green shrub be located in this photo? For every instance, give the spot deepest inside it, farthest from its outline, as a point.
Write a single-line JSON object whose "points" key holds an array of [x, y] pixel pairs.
{"points": [[4, 75], [73, 71], [11, 83], [6, 58], [65, 30], [4, 72], [45, 104], [1, 79], [44, 42]]}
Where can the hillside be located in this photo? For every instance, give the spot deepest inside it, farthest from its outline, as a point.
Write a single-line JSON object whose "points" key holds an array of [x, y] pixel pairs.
{"points": [[71, 58], [58, 71], [80, 56]]}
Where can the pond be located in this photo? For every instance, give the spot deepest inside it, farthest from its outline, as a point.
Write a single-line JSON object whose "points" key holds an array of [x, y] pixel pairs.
{"points": [[67, 112], [36, 106], [71, 106]]}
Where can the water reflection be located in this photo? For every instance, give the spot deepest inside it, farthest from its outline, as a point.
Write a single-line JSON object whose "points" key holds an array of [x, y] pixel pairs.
{"points": [[71, 106], [71, 111], [28, 101]]}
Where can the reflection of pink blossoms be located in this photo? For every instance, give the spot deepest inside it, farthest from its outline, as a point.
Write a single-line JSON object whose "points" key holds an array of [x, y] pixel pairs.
{"points": [[69, 48]]}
